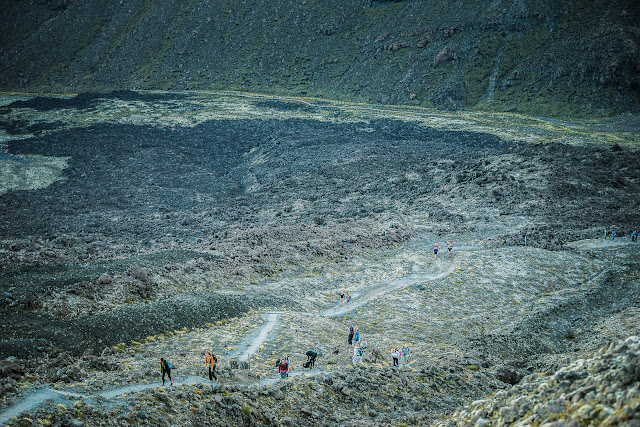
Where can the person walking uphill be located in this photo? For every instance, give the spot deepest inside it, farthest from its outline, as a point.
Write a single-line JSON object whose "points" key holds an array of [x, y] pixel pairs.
{"points": [[210, 365], [356, 337], [283, 368], [350, 339], [165, 368]]}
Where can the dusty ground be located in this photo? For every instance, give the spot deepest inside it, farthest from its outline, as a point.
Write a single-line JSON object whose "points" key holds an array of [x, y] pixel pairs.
{"points": [[176, 224]]}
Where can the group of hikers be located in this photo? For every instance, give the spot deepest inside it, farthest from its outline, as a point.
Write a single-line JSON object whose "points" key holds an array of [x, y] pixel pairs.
{"points": [[436, 249], [283, 364], [612, 234], [344, 296], [401, 355], [210, 361]]}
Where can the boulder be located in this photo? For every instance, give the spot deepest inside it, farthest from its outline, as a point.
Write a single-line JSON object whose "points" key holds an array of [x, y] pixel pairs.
{"points": [[11, 369]]}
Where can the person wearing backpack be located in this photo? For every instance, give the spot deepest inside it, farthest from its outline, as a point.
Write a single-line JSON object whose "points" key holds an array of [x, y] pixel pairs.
{"points": [[165, 368], [283, 368], [356, 337], [312, 356], [404, 351], [357, 355], [210, 364], [350, 340]]}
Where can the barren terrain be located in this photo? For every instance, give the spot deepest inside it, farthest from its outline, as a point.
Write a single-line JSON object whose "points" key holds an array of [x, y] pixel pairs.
{"points": [[136, 225]]}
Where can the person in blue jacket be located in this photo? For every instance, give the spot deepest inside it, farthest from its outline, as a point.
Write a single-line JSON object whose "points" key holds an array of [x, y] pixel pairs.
{"points": [[356, 337]]}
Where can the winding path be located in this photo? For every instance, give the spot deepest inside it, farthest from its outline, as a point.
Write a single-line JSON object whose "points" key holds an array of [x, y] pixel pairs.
{"points": [[249, 346]]}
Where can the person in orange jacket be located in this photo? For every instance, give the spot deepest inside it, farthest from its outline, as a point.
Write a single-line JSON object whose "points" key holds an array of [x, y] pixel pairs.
{"points": [[210, 364]]}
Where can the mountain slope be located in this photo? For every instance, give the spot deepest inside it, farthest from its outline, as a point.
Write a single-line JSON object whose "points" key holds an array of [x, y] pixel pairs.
{"points": [[562, 58]]}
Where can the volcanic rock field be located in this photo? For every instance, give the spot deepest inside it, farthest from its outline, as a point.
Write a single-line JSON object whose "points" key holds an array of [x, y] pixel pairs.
{"points": [[137, 225]]}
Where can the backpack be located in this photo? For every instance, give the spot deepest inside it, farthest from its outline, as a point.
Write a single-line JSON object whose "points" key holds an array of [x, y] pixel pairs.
{"points": [[169, 365], [215, 359], [360, 352]]}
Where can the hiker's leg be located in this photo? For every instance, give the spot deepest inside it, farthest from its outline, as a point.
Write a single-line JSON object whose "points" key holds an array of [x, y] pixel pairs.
{"points": [[210, 377], [213, 373]]}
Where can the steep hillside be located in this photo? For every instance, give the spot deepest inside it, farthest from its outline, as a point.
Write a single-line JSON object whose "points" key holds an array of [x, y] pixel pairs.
{"points": [[545, 58]]}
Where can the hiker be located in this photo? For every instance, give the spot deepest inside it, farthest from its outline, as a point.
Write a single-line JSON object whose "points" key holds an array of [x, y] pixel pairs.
{"points": [[404, 351], [350, 339], [348, 299], [312, 356], [450, 247], [395, 354], [165, 368], [613, 235], [634, 236], [436, 248], [356, 337], [283, 369], [210, 365], [341, 297], [357, 355]]}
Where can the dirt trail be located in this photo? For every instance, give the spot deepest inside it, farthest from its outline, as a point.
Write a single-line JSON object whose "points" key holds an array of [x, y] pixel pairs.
{"points": [[362, 297], [248, 347], [254, 340], [251, 344]]}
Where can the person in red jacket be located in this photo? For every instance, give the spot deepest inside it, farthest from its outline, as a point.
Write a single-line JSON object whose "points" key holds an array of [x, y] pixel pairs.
{"points": [[283, 368]]}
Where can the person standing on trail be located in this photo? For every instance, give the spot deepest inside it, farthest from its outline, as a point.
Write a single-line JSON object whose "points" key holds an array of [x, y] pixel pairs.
{"points": [[341, 297], [634, 236], [404, 351], [356, 337], [165, 368], [210, 365], [283, 369], [357, 356], [436, 248], [348, 299], [613, 235], [450, 247], [350, 339]]}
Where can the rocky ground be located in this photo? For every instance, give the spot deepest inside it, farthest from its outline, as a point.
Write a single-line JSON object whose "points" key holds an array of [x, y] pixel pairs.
{"points": [[171, 224]]}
